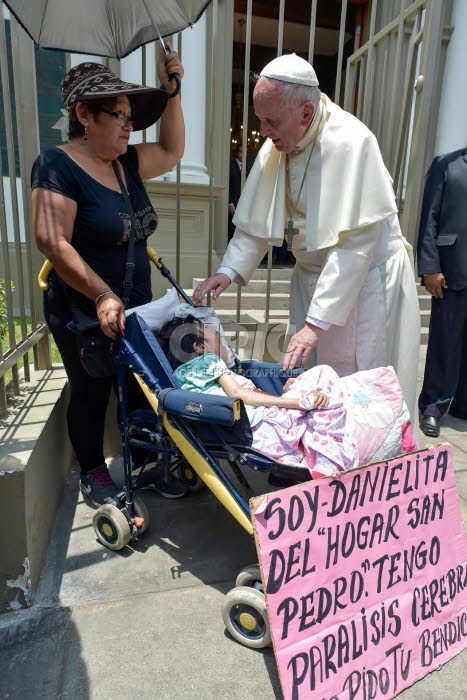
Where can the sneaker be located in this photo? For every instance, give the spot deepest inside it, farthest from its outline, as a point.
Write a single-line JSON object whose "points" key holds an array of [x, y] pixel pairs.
{"points": [[97, 485], [152, 479]]}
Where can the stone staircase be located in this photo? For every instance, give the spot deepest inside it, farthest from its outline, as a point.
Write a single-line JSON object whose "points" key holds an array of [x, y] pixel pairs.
{"points": [[424, 301], [253, 301]]}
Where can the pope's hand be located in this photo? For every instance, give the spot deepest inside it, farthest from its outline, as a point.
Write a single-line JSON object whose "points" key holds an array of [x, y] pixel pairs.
{"points": [[300, 346], [216, 284]]}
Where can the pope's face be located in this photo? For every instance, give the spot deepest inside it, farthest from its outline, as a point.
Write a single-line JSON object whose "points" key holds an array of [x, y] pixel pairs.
{"points": [[284, 125]]}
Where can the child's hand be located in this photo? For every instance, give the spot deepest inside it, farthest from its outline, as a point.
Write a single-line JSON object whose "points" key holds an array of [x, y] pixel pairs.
{"points": [[313, 400], [288, 384], [321, 400]]}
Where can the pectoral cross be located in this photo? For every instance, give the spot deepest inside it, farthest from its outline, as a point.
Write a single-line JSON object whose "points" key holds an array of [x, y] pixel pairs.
{"points": [[290, 232]]}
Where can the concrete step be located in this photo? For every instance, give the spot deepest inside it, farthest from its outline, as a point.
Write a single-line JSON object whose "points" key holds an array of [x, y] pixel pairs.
{"points": [[251, 300], [277, 273], [424, 299], [425, 318], [259, 286], [252, 315]]}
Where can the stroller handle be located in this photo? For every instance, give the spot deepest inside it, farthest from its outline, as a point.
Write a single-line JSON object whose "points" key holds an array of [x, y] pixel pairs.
{"points": [[47, 267], [43, 276]]}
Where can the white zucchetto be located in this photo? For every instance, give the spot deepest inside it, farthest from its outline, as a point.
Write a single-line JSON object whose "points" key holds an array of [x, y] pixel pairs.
{"points": [[291, 69]]}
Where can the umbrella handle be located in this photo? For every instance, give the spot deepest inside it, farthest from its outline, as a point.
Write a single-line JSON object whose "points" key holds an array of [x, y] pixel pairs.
{"points": [[176, 77]]}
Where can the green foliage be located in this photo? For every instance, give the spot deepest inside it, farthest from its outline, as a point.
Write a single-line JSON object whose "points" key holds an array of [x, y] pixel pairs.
{"points": [[3, 309]]}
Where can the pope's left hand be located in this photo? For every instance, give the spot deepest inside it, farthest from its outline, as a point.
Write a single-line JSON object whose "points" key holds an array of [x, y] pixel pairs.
{"points": [[300, 346]]}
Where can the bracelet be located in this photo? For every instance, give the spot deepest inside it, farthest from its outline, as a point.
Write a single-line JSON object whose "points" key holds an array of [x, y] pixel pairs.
{"points": [[101, 296]]}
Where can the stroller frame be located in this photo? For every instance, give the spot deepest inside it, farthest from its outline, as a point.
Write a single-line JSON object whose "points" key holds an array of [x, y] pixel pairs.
{"points": [[173, 437], [168, 431]]}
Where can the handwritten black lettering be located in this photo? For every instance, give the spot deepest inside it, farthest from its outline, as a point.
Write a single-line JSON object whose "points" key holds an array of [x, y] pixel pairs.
{"points": [[282, 570], [386, 482], [368, 531], [429, 599], [314, 607], [418, 556], [341, 647], [369, 684], [432, 508], [434, 643], [293, 518]]}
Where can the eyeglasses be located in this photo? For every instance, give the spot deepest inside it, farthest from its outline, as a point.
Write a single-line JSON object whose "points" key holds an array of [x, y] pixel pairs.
{"points": [[121, 118]]}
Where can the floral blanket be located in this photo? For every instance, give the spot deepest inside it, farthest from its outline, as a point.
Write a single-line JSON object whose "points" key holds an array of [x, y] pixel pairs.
{"points": [[366, 421]]}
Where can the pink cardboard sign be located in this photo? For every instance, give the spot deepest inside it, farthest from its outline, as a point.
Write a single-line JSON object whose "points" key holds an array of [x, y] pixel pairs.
{"points": [[365, 577]]}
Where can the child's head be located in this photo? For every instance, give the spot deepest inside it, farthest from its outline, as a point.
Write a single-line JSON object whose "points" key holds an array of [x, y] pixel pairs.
{"points": [[183, 339], [177, 339]]}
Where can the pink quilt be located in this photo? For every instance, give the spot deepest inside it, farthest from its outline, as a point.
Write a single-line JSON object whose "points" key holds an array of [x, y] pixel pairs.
{"points": [[366, 421]]}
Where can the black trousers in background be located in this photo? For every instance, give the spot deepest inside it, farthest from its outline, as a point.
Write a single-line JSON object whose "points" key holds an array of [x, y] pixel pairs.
{"points": [[89, 397], [445, 378]]}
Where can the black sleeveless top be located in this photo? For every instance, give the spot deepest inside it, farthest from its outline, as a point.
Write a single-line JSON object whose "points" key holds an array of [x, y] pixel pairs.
{"points": [[102, 224]]}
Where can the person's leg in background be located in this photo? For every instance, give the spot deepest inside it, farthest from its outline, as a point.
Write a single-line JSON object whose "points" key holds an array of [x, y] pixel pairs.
{"points": [[458, 407], [443, 359]]}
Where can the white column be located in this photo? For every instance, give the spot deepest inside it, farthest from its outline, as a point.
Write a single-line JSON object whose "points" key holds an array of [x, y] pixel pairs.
{"points": [[77, 58], [193, 166], [131, 71], [451, 132]]}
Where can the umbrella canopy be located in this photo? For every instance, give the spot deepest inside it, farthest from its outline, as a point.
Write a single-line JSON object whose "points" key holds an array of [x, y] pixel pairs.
{"points": [[111, 28]]}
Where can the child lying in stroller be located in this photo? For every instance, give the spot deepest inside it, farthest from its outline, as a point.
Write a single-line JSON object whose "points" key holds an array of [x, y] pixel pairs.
{"points": [[322, 422]]}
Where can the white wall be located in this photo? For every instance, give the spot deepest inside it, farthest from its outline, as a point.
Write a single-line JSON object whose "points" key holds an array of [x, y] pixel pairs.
{"points": [[9, 209], [451, 132]]}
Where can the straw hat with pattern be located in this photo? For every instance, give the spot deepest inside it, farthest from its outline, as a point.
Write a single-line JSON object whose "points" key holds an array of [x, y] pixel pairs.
{"points": [[93, 81]]}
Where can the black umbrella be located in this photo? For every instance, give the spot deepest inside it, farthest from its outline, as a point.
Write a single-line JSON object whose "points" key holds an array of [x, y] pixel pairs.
{"points": [[112, 28]]}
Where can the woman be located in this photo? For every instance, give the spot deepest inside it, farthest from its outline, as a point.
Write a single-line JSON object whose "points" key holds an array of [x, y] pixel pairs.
{"points": [[82, 224], [322, 422]]}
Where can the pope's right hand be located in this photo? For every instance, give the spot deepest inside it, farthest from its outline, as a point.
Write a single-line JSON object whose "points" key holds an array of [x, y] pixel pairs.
{"points": [[216, 284]]}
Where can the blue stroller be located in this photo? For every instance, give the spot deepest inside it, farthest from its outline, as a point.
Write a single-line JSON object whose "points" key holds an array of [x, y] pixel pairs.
{"points": [[206, 439]]}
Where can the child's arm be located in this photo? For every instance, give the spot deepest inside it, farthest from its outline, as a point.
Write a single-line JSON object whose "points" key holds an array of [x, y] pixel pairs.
{"points": [[253, 398]]}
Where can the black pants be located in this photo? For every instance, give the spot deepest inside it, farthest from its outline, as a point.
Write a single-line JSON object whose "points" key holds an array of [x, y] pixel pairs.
{"points": [[89, 396], [445, 378]]}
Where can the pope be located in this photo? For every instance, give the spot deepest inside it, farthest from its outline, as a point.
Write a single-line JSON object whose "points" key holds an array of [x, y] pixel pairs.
{"points": [[320, 181]]}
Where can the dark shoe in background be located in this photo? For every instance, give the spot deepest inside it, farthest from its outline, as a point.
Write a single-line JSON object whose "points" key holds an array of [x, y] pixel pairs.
{"points": [[429, 425], [151, 478]]}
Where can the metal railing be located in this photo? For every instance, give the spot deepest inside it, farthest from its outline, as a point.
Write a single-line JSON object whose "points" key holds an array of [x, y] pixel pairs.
{"points": [[23, 327]]}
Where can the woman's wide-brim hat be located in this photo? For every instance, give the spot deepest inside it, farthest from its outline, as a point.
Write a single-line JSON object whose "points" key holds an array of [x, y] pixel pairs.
{"points": [[93, 81]]}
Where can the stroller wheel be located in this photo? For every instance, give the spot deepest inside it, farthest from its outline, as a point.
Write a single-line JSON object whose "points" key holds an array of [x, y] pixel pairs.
{"points": [[250, 576], [189, 477], [141, 512], [245, 616], [111, 527]]}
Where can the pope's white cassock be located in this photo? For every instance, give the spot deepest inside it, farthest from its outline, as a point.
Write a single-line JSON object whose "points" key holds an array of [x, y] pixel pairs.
{"points": [[354, 270]]}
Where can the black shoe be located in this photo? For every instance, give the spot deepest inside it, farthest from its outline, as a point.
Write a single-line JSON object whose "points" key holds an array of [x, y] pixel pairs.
{"points": [[152, 479], [429, 425], [97, 485], [457, 414]]}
